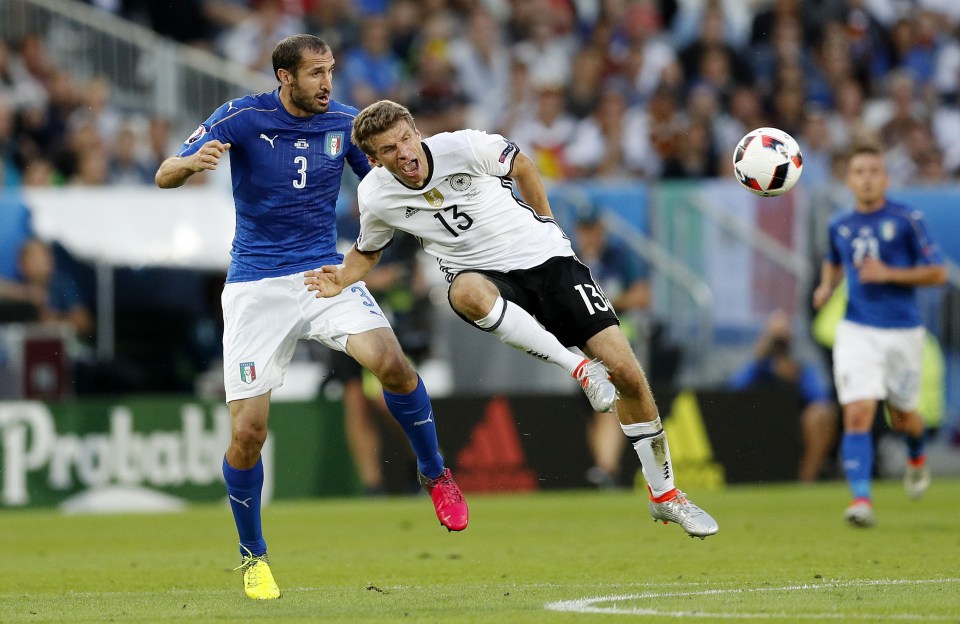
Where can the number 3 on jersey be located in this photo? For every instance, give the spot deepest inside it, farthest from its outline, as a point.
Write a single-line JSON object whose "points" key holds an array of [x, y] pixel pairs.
{"points": [[595, 300], [301, 162]]}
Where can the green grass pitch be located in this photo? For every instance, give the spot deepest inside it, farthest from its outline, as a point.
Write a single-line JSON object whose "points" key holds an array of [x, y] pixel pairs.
{"points": [[783, 554]]}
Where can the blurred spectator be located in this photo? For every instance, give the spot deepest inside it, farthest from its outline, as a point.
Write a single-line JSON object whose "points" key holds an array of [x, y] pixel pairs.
{"points": [[547, 43], [544, 132], [817, 148], [915, 45], [95, 108], [16, 82], [847, 123], [743, 113], [372, 71], [481, 63], [598, 143], [648, 55], [774, 365], [250, 43], [336, 22], [652, 134], [896, 114], [11, 160], [159, 142], [125, 164], [709, 57], [903, 158], [582, 95], [42, 296], [696, 155]]}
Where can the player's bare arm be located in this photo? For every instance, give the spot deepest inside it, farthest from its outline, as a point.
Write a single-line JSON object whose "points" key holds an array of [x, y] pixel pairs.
{"points": [[875, 271], [830, 276], [531, 187], [330, 280], [174, 171]]}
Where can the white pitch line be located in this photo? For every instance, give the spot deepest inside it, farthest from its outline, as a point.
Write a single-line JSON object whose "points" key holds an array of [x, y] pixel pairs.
{"points": [[588, 605]]}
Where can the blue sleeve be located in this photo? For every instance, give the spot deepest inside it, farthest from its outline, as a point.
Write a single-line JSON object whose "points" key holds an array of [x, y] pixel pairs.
{"points": [[925, 248], [746, 376], [215, 127], [358, 160], [833, 254], [813, 388]]}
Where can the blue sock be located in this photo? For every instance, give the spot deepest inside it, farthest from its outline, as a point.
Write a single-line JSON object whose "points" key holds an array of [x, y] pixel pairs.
{"points": [[243, 489], [415, 415], [915, 446], [857, 452]]}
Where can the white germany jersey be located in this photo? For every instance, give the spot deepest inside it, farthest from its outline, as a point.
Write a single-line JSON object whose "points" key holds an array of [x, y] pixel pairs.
{"points": [[466, 215]]}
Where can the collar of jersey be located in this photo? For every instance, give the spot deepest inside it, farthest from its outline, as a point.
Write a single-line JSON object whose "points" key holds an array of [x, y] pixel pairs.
{"points": [[426, 182]]}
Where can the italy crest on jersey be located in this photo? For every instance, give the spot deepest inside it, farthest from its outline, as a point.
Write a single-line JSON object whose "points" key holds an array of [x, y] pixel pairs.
{"points": [[333, 144], [248, 372], [888, 230]]}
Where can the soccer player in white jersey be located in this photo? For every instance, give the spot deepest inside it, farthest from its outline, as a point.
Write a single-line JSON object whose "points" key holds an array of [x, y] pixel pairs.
{"points": [[287, 152], [885, 252], [510, 269]]}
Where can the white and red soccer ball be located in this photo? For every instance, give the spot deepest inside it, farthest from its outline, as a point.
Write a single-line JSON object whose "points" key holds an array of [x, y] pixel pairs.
{"points": [[767, 161]]}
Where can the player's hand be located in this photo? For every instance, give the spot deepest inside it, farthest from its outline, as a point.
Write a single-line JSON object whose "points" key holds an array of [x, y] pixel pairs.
{"points": [[326, 281], [208, 157], [873, 271], [822, 295]]}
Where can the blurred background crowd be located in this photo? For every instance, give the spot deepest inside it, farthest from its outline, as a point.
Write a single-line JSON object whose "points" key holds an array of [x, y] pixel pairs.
{"points": [[648, 89]]}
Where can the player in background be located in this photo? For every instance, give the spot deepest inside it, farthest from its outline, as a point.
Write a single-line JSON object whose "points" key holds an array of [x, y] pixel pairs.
{"points": [[287, 152], [885, 252], [510, 269]]}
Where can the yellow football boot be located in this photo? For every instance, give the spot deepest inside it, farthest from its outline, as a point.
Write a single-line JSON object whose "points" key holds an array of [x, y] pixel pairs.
{"points": [[258, 580]]}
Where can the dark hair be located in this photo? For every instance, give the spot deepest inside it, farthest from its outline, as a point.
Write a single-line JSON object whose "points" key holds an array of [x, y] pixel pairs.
{"points": [[376, 119], [289, 52]]}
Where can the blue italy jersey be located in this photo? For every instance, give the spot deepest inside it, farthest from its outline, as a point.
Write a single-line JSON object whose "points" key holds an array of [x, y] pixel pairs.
{"points": [[898, 237], [286, 174]]}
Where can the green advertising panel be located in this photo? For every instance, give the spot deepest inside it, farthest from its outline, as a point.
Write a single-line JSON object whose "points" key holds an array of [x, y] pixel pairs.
{"points": [[156, 452]]}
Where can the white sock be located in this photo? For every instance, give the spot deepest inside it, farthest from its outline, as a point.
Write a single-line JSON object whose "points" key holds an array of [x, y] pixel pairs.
{"points": [[650, 441], [517, 328]]}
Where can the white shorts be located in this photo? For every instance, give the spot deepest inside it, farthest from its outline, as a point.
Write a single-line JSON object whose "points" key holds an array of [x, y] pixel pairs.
{"points": [[263, 320], [875, 363]]}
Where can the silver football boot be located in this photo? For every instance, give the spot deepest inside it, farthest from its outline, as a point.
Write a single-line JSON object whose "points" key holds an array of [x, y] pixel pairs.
{"points": [[595, 381], [860, 514], [916, 480], [695, 521]]}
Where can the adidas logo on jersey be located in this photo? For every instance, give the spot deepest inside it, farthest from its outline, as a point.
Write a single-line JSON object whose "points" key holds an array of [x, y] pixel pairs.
{"points": [[410, 212]]}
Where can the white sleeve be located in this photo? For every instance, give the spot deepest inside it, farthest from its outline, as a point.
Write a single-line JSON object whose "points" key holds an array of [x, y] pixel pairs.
{"points": [[494, 153], [375, 235]]}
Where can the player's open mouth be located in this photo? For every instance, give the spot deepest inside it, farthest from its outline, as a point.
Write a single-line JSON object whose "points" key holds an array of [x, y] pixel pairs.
{"points": [[411, 168]]}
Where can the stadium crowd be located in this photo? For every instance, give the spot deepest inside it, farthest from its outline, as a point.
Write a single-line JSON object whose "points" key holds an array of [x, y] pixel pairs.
{"points": [[645, 89]]}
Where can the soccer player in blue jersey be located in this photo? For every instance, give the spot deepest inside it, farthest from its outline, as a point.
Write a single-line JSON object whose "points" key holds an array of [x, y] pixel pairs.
{"points": [[287, 152], [886, 253]]}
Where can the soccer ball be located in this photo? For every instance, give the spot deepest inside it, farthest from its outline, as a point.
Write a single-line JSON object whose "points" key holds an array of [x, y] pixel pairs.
{"points": [[767, 162]]}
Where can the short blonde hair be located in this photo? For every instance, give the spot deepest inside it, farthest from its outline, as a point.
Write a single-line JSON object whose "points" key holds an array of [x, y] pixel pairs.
{"points": [[377, 119]]}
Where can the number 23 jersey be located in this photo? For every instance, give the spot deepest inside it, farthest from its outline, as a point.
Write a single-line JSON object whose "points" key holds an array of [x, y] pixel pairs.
{"points": [[466, 214]]}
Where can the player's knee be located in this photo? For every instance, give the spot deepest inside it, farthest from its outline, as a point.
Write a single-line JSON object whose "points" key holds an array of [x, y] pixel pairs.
{"points": [[395, 373], [249, 436], [470, 297], [629, 379]]}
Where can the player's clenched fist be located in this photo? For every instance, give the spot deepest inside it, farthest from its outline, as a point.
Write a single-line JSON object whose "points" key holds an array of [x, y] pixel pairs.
{"points": [[208, 157]]}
